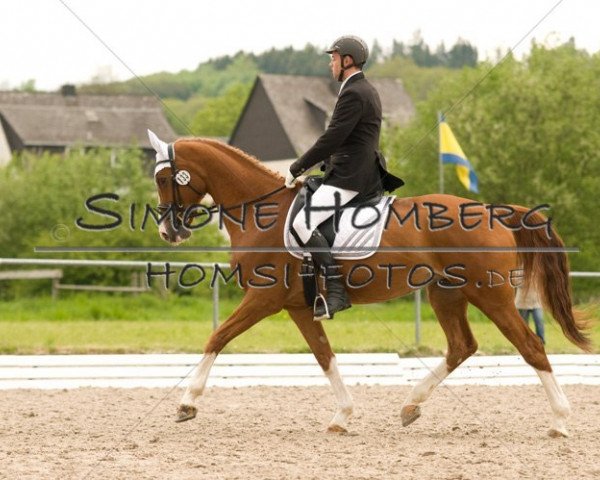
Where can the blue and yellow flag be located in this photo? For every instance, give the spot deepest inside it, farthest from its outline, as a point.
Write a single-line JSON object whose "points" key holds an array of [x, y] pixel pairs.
{"points": [[450, 152]]}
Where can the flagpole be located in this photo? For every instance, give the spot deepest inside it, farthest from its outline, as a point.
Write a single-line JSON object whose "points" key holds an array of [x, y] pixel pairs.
{"points": [[441, 165]]}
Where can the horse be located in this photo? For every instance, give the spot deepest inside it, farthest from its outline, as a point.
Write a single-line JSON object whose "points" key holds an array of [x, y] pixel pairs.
{"points": [[453, 260]]}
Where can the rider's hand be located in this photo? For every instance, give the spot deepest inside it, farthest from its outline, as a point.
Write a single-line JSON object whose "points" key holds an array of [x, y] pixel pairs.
{"points": [[290, 180]]}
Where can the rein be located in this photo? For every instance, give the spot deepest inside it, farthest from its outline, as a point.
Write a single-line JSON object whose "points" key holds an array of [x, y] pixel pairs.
{"points": [[215, 208], [183, 178]]}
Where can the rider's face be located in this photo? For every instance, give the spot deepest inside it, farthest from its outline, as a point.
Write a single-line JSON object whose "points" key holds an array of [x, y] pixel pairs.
{"points": [[335, 64]]}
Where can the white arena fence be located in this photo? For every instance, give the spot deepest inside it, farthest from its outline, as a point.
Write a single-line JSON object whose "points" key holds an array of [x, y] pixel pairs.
{"points": [[132, 264], [244, 370]]}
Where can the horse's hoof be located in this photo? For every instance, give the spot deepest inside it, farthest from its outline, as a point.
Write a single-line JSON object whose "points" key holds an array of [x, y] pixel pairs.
{"points": [[555, 433], [333, 428], [185, 412], [409, 414]]}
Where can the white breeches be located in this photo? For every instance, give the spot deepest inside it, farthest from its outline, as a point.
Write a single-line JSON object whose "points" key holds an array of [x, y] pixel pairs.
{"points": [[324, 196]]}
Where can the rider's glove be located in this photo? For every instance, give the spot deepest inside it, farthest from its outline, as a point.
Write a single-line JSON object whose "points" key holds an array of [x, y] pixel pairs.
{"points": [[290, 180]]}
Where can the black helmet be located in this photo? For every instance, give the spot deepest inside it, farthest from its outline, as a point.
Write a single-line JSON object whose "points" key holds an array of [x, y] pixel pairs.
{"points": [[353, 46]]}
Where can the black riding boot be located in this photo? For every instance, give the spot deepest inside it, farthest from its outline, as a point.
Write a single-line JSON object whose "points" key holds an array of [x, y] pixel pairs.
{"points": [[337, 298]]}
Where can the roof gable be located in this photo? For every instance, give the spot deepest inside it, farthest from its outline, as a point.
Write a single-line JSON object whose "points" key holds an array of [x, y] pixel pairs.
{"points": [[259, 130], [303, 106]]}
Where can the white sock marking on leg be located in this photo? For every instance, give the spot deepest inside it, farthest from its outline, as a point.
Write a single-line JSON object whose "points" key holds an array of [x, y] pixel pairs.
{"points": [[342, 394], [198, 380], [558, 400], [422, 390]]}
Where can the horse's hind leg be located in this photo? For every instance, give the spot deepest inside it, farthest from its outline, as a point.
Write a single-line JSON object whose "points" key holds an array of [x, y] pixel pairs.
{"points": [[507, 319], [315, 336], [249, 312], [450, 307]]}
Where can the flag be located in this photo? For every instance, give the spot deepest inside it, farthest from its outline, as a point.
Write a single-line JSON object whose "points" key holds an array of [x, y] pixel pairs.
{"points": [[450, 152]]}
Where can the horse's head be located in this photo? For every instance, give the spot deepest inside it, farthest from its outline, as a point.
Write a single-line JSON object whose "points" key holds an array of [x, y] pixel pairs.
{"points": [[180, 189]]}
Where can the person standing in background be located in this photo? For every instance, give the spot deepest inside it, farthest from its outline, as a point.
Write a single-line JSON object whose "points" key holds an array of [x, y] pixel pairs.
{"points": [[528, 303]]}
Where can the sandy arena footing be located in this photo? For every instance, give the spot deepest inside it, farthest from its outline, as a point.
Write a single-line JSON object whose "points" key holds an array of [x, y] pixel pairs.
{"points": [[466, 432]]}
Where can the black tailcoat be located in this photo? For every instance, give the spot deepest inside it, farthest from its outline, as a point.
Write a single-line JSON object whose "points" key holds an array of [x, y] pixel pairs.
{"points": [[349, 146]]}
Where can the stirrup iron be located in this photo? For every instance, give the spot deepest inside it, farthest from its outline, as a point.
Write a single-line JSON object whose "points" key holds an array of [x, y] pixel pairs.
{"points": [[320, 299]]}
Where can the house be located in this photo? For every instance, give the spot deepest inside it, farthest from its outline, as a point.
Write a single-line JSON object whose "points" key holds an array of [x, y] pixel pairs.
{"points": [[284, 114], [58, 121]]}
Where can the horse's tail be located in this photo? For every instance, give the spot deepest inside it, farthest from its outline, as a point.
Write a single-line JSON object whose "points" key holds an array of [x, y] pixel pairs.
{"points": [[549, 271]]}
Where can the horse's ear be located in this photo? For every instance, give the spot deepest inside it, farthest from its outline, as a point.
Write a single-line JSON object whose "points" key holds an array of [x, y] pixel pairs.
{"points": [[162, 148]]}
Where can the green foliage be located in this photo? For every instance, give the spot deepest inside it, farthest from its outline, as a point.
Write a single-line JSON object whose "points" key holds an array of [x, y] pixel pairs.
{"points": [[530, 130], [376, 54], [418, 81], [208, 80], [27, 86], [164, 84], [218, 116], [217, 76], [462, 54], [124, 324], [43, 196], [181, 113], [186, 95], [214, 82], [205, 100], [214, 77], [309, 61]]}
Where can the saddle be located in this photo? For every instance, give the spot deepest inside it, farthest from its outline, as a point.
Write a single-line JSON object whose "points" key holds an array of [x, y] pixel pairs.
{"points": [[356, 236], [327, 228]]}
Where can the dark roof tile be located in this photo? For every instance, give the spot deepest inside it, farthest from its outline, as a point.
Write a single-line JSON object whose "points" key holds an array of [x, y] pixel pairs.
{"points": [[51, 119], [295, 99]]}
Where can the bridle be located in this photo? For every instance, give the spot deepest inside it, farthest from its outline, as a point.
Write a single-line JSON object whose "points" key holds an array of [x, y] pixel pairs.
{"points": [[178, 178], [183, 178]]}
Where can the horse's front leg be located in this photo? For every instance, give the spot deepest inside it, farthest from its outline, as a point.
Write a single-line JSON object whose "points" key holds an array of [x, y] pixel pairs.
{"points": [[252, 309], [315, 336]]}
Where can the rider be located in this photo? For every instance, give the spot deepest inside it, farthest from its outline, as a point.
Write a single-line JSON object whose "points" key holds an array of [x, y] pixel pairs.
{"points": [[352, 166]]}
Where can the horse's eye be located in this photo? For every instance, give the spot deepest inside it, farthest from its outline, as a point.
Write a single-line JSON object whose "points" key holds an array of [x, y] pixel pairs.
{"points": [[161, 181]]}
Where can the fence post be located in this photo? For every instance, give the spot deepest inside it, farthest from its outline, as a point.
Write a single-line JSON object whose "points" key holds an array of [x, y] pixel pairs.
{"points": [[215, 295], [55, 285], [417, 317]]}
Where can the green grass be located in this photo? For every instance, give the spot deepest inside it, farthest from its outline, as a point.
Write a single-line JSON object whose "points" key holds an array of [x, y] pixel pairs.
{"points": [[98, 323]]}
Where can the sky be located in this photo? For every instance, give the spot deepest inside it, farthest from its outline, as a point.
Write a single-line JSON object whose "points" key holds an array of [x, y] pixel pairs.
{"points": [[44, 40]]}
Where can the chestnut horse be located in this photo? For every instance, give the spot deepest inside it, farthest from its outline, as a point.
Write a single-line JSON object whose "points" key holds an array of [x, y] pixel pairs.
{"points": [[459, 262]]}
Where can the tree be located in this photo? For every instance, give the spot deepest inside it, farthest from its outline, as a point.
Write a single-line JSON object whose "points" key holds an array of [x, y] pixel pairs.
{"points": [[43, 191], [376, 54], [308, 61], [219, 115], [421, 54], [441, 54], [462, 54], [27, 86], [418, 81], [181, 113], [398, 49], [530, 130]]}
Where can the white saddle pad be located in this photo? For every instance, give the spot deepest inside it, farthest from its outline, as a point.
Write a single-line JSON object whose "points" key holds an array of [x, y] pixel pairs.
{"points": [[351, 243]]}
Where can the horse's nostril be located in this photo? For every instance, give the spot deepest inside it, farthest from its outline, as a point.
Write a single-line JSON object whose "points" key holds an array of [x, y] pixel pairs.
{"points": [[164, 236]]}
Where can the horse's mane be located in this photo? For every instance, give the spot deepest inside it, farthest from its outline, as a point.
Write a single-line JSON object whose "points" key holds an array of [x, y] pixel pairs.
{"points": [[229, 149]]}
